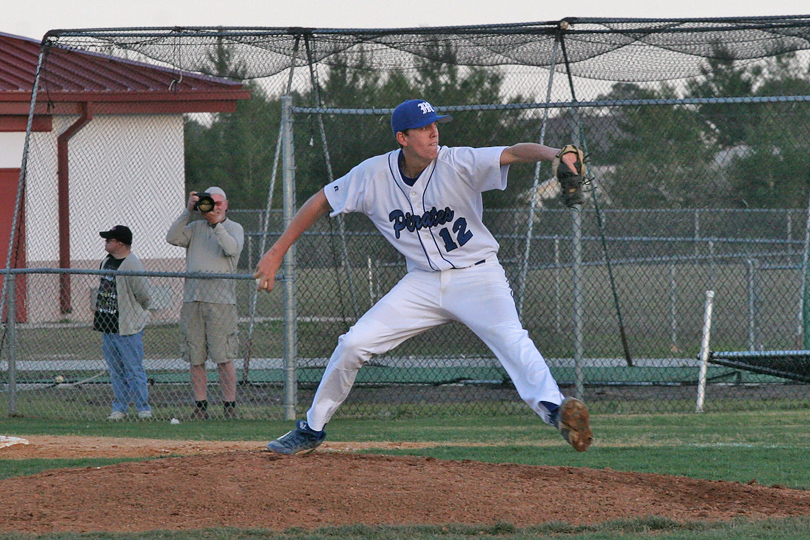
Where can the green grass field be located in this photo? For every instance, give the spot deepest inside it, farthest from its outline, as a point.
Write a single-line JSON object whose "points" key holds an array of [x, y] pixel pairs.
{"points": [[770, 447]]}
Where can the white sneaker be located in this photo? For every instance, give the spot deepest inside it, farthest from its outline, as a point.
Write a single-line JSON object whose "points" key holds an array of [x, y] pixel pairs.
{"points": [[144, 415], [117, 415]]}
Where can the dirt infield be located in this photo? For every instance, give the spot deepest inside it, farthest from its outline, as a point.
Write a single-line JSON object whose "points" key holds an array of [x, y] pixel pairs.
{"points": [[235, 484]]}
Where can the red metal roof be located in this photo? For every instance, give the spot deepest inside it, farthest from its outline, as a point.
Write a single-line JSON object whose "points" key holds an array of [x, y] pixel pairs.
{"points": [[114, 85]]}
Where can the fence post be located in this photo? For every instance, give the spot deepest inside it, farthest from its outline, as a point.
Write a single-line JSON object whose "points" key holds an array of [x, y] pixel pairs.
{"points": [[704, 350], [11, 327], [753, 300], [804, 299], [579, 347], [290, 308], [673, 307], [557, 307]]}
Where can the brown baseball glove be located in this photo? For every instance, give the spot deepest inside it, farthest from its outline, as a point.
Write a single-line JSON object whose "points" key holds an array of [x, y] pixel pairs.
{"points": [[570, 181]]}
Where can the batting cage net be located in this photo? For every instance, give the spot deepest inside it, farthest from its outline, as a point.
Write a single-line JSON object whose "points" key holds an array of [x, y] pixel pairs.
{"points": [[696, 133]]}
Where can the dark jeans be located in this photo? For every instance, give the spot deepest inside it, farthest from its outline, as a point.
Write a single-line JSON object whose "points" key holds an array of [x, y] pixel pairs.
{"points": [[124, 357]]}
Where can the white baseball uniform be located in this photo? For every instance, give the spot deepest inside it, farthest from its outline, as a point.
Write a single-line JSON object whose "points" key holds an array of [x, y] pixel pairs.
{"points": [[453, 271]]}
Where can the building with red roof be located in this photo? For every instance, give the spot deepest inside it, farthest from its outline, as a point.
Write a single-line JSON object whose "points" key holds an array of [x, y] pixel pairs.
{"points": [[106, 147]]}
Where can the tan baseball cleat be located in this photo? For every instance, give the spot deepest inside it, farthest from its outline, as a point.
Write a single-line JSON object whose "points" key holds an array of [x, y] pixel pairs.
{"points": [[573, 423]]}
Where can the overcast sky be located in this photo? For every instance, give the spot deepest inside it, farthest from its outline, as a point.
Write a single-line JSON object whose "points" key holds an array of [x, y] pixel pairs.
{"points": [[33, 18]]}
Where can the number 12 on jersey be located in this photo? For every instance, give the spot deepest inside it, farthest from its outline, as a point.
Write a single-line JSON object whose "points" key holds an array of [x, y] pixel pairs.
{"points": [[462, 235]]}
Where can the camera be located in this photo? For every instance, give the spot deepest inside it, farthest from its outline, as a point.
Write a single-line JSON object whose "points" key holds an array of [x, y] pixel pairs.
{"points": [[205, 203]]}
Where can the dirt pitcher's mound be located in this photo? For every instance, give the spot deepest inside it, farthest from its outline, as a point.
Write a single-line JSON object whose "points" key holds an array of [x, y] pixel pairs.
{"points": [[254, 489], [75, 446]]}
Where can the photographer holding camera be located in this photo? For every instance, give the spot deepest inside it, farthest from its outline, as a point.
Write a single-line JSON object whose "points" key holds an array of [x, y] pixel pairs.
{"points": [[208, 319]]}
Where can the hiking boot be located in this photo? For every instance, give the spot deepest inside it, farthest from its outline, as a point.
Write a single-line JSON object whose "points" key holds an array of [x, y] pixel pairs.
{"points": [[302, 439], [117, 415], [573, 423]]}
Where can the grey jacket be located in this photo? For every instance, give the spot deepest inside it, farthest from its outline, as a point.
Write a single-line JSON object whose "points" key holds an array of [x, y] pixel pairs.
{"points": [[208, 249], [133, 297]]}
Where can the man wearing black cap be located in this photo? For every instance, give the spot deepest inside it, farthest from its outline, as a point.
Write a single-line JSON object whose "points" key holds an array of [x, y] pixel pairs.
{"points": [[121, 316]]}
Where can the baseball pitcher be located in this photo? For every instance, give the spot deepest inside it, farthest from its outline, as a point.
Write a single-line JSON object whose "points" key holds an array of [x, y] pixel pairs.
{"points": [[425, 199]]}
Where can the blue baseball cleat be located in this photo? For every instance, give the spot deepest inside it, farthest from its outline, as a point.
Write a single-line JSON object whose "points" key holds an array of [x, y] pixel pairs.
{"points": [[302, 439]]}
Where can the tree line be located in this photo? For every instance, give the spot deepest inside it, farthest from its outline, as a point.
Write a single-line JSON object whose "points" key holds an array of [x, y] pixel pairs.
{"points": [[724, 155]]}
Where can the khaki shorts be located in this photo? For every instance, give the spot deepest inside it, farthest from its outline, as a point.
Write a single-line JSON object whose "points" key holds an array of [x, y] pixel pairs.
{"points": [[208, 331]]}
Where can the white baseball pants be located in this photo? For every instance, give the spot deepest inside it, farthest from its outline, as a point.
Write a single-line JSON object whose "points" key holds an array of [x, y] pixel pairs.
{"points": [[478, 296]]}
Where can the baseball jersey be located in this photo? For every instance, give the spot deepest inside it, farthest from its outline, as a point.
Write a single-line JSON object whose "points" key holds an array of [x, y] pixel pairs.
{"points": [[436, 224]]}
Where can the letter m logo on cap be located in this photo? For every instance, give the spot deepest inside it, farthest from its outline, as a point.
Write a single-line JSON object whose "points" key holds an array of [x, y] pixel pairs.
{"points": [[426, 107]]}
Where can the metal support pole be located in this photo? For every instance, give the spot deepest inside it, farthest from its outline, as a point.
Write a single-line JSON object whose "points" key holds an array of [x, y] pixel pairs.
{"points": [[753, 301], [524, 266], [704, 350], [673, 308], [11, 328], [557, 292], [804, 297], [290, 308], [580, 137], [579, 302], [344, 245], [711, 264], [265, 226], [576, 251], [21, 182]]}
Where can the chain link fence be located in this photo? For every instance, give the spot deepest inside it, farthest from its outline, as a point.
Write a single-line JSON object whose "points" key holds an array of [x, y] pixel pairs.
{"points": [[54, 367], [698, 181]]}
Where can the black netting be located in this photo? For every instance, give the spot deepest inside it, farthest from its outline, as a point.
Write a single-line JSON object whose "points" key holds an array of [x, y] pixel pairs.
{"points": [[696, 132], [604, 49]]}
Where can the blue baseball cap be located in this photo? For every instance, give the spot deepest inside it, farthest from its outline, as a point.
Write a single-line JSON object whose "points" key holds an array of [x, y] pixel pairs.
{"points": [[415, 113]]}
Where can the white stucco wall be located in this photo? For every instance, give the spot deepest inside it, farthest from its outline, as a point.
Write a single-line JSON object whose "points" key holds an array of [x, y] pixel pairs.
{"points": [[124, 169], [11, 150]]}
